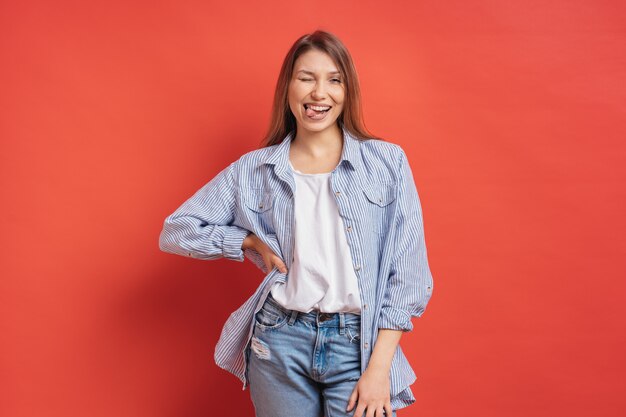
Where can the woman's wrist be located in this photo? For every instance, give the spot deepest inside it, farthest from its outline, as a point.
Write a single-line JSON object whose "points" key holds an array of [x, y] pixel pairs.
{"points": [[248, 241]]}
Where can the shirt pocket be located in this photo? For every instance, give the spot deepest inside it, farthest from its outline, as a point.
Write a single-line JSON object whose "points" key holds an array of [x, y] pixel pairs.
{"points": [[378, 202], [259, 209]]}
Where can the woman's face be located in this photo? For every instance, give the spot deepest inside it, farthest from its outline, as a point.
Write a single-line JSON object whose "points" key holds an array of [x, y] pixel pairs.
{"points": [[316, 82]]}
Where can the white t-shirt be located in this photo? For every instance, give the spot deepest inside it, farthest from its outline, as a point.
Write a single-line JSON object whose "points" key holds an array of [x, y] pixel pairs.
{"points": [[321, 276]]}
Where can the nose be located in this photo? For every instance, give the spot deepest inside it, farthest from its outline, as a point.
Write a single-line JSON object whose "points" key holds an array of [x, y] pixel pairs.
{"points": [[319, 90]]}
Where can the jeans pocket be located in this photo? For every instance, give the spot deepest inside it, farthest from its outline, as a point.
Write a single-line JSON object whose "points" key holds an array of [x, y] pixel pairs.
{"points": [[270, 318]]}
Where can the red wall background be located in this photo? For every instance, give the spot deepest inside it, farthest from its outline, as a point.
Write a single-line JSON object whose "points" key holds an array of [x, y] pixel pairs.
{"points": [[113, 113]]}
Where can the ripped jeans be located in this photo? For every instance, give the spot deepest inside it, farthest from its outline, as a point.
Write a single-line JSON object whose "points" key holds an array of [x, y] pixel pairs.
{"points": [[303, 364]]}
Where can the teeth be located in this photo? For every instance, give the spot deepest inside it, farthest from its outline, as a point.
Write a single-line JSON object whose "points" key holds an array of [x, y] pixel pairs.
{"points": [[317, 108]]}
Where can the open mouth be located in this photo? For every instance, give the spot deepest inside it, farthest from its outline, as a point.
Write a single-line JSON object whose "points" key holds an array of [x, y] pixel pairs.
{"points": [[317, 109]]}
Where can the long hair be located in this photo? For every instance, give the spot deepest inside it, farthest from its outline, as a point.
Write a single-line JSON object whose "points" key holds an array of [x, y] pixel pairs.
{"points": [[282, 121]]}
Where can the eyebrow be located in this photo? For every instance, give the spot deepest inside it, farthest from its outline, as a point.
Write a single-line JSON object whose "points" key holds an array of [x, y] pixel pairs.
{"points": [[310, 72]]}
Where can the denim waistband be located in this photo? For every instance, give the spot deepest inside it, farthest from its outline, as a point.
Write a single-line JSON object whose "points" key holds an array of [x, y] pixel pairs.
{"points": [[318, 318]]}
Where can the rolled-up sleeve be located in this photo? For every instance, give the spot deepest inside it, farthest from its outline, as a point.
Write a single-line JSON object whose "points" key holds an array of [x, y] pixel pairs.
{"points": [[202, 226], [410, 283]]}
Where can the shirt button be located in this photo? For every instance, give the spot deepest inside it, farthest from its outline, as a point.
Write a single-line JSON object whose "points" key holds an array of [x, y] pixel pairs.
{"points": [[357, 267], [337, 193], [366, 345], [189, 253], [349, 228], [365, 306]]}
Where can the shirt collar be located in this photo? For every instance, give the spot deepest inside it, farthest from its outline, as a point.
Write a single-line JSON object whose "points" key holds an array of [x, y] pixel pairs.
{"points": [[279, 155]]}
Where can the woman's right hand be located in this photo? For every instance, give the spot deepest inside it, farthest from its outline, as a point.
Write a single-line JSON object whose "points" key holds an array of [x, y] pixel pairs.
{"points": [[252, 241]]}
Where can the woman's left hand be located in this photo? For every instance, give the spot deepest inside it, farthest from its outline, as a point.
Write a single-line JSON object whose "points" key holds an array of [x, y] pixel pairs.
{"points": [[372, 393]]}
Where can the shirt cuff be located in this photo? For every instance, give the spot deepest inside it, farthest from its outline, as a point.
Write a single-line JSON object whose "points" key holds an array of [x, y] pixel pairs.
{"points": [[233, 239], [395, 319]]}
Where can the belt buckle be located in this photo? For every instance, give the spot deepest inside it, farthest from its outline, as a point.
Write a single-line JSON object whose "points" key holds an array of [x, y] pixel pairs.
{"points": [[325, 316]]}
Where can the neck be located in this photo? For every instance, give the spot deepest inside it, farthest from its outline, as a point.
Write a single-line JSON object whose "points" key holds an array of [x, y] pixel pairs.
{"points": [[316, 144]]}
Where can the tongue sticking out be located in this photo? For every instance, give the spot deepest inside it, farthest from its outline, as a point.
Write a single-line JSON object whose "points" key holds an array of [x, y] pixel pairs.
{"points": [[314, 113]]}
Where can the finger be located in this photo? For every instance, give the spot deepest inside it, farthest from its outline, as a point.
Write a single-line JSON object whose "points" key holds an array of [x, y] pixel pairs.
{"points": [[360, 409], [280, 264], [352, 399], [371, 411], [379, 411], [388, 410]]}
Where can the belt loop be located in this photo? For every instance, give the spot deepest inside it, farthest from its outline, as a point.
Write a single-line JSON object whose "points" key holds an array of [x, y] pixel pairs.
{"points": [[292, 319], [342, 324]]}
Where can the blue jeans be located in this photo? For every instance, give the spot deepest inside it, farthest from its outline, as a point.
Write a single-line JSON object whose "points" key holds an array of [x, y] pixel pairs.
{"points": [[303, 364]]}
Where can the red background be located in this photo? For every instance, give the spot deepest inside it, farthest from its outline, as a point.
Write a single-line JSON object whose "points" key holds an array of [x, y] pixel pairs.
{"points": [[113, 113]]}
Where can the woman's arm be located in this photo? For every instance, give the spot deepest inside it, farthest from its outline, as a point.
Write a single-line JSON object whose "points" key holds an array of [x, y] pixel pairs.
{"points": [[384, 349], [409, 288], [410, 283], [202, 226]]}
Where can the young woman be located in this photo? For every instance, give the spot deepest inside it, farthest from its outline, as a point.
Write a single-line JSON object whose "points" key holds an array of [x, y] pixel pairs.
{"points": [[332, 216]]}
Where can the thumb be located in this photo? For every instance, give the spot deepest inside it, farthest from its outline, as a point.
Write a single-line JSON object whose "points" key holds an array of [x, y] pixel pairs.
{"points": [[280, 264], [352, 400], [268, 261]]}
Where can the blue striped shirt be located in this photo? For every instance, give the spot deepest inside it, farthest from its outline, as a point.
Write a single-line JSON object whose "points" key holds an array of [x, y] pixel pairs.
{"points": [[382, 216]]}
